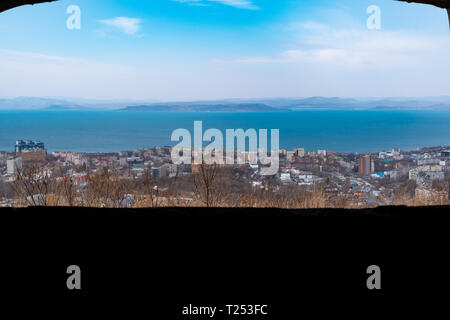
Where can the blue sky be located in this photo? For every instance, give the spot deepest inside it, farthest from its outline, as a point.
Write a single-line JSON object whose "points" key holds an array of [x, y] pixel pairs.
{"points": [[214, 49]]}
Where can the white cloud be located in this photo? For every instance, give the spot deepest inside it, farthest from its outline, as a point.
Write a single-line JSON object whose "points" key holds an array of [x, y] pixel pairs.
{"points": [[323, 61], [360, 49], [320, 60], [127, 25], [242, 4]]}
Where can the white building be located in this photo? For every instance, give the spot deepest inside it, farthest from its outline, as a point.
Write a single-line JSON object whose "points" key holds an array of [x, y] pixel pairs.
{"points": [[424, 162], [290, 156], [430, 172], [123, 161], [285, 177], [169, 169], [307, 178], [322, 153], [13, 165]]}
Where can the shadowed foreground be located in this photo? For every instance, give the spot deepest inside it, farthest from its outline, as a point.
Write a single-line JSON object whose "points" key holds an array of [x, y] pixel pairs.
{"points": [[209, 254], [10, 4]]}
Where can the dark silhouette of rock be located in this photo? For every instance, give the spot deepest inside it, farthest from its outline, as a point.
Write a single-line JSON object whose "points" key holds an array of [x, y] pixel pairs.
{"points": [[445, 4], [9, 4]]}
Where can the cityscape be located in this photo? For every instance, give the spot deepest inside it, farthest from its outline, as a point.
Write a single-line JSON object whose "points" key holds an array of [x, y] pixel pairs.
{"points": [[341, 83], [146, 178], [196, 153]]}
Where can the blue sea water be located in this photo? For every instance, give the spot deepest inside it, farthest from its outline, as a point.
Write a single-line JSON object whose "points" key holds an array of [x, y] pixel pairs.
{"points": [[337, 130]]}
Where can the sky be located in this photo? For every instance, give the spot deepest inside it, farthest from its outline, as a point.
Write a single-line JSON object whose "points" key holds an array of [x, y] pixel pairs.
{"points": [[173, 50]]}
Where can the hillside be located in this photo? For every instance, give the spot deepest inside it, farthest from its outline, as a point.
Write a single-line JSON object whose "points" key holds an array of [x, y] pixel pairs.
{"points": [[244, 107]]}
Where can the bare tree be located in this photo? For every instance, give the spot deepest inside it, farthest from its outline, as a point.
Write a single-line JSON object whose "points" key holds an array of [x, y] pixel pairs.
{"points": [[204, 182], [67, 190], [151, 189], [34, 186], [98, 188], [448, 191]]}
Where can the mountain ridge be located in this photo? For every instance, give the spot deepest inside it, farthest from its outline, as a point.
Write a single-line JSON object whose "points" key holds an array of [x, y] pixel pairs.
{"points": [[228, 105]]}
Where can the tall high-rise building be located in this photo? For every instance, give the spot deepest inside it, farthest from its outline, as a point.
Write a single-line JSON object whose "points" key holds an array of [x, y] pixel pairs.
{"points": [[28, 146], [366, 165]]}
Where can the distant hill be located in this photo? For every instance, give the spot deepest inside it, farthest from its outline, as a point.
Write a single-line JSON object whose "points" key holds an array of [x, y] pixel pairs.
{"points": [[30, 103], [283, 104], [35, 103], [245, 107], [228, 105], [363, 103]]}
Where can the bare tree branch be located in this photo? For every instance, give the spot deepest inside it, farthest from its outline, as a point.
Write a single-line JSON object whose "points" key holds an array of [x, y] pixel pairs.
{"points": [[9, 4]]}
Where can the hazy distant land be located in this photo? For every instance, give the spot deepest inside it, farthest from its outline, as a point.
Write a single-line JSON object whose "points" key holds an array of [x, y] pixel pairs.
{"points": [[229, 105], [240, 107]]}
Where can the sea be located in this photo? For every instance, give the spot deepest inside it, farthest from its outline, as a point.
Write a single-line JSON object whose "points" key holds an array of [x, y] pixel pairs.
{"points": [[334, 130]]}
